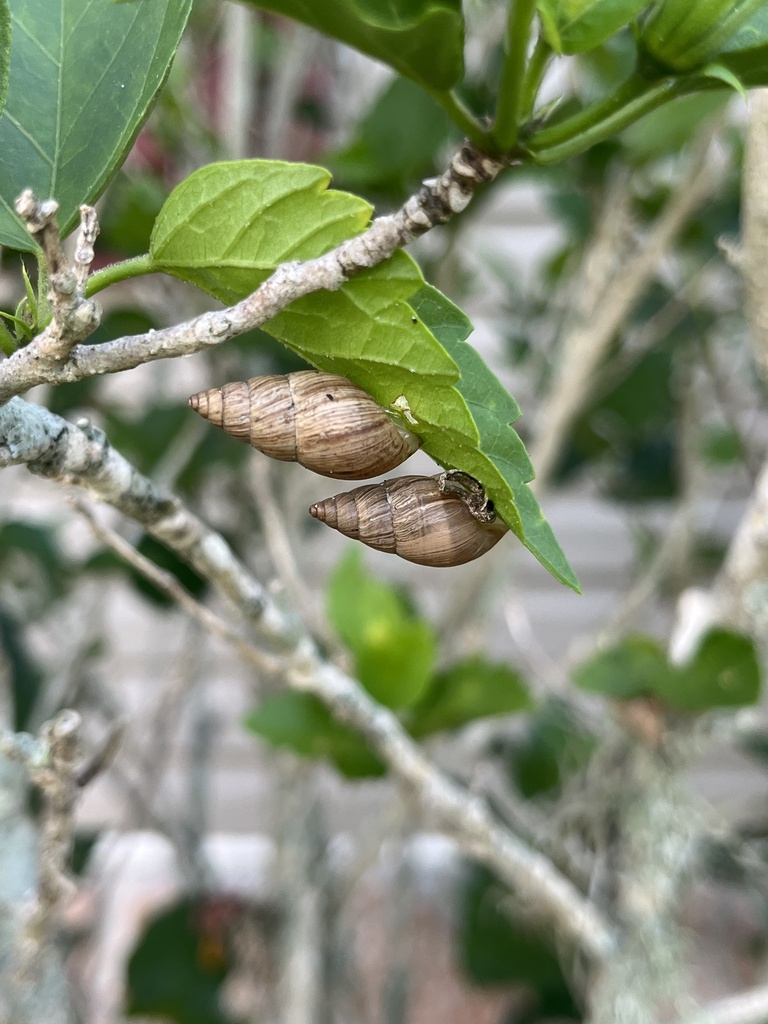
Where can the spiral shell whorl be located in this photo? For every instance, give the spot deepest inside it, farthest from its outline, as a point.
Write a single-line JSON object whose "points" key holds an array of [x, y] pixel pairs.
{"points": [[411, 517], [320, 420]]}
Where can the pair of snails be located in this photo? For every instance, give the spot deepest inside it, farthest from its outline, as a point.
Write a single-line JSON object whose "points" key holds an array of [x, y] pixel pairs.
{"points": [[329, 425]]}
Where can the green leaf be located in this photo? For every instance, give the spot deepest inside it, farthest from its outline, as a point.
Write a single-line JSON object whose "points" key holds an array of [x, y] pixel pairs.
{"points": [[631, 668], [553, 746], [178, 968], [471, 689], [394, 652], [668, 129], [498, 946], [228, 226], [499, 459], [724, 673], [746, 54], [5, 50], [25, 679], [422, 39], [721, 73], [83, 76], [301, 723], [574, 26]]}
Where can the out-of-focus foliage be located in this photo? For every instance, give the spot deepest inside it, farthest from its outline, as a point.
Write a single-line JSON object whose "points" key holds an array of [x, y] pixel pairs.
{"points": [[394, 652], [422, 39], [177, 970], [498, 946], [724, 672]]}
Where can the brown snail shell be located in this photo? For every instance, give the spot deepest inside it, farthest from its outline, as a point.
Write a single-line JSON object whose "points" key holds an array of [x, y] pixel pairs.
{"points": [[322, 421], [414, 517]]}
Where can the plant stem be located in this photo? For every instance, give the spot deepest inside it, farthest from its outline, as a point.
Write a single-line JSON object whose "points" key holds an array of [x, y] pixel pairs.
{"points": [[537, 65], [510, 101], [43, 312], [603, 119], [119, 272], [462, 117]]}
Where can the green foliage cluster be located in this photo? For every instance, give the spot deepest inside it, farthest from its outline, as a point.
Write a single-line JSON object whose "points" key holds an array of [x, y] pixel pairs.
{"points": [[394, 653]]}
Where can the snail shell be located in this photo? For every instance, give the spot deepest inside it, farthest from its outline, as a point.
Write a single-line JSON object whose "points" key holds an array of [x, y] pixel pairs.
{"points": [[411, 516], [322, 421]]}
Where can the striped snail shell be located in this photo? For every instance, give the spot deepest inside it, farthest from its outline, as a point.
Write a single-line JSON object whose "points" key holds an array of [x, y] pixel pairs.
{"points": [[322, 421], [427, 520]]}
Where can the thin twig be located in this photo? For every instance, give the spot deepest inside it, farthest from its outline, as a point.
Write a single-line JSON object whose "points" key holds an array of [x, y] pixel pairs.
{"points": [[170, 586], [53, 762], [437, 201], [74, 316], [281, 551], [586, 344]]}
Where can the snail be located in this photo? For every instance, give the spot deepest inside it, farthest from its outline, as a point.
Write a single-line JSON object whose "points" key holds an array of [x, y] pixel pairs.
{"points": [[322, 421], [439, 521]]}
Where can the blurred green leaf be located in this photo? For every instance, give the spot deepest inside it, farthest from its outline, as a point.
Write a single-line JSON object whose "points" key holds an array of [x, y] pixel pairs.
{"points": [[720, 73], [83, 77], [553, 746], [573, 26], [471, 689], [31, 559], [635, 666], [724, 673], [746, 53], [497, 947], [301, 723], [422, 39], [394, 652], [668, 129], [721, 446], [26, 678], [395, 145], [129, 212], [176, 971]]}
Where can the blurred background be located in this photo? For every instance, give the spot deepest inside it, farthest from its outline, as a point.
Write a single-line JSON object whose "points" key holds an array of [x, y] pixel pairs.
{"points": [[208, 839]]}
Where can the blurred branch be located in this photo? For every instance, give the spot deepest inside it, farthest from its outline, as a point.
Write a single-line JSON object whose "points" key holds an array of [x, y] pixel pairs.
{"points": [[739, 594], [51, 447], [289, 71], [750, 1007], [239, 79], [301, 856], [656, 829], [435, 203], [603, 310], [281, 552], [752, 257], [33, 868]]}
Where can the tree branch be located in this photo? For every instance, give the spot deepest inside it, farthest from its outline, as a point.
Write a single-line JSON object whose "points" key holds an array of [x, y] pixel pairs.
{"points": [[74, 316], [436, 202], [51, 447], [750, 1007]]}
